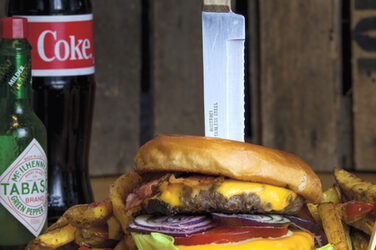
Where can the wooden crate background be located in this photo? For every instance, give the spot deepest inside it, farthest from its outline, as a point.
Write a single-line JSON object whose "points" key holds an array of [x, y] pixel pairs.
{"points": [[363, 28], [310, 85]]}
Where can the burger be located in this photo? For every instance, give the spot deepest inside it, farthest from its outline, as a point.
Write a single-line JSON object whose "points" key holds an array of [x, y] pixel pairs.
{"points": [[192, 192]]}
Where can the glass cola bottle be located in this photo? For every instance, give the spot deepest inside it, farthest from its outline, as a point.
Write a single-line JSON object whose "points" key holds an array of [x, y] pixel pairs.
{"points": [[23, 142], [61, 36]]}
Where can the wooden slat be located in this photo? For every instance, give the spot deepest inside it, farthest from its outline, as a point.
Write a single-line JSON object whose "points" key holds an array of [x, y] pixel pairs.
{"points": [[300, 79], [115, 133], [364, 83], [101, 186], [2, 8], [177, 67]]}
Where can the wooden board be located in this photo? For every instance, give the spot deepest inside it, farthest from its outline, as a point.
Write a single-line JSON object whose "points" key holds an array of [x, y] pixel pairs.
{"points": [[177, 67], [300, 79], [115, 132], [364, 83]]}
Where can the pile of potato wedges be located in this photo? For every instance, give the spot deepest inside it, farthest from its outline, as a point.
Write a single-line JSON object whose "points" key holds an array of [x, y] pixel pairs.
{"points": [[93, 226], [347, 211]]}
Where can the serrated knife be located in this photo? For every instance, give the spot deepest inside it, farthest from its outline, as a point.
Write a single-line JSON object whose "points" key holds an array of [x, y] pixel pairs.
{"points": [[223, 36]]}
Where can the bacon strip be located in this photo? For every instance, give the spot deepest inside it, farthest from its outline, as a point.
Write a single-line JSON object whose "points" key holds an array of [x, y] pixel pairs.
{"points": [[197, 180], [147, 190]]}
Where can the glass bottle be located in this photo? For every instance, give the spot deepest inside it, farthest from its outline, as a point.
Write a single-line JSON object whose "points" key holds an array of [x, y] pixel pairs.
{"points": [[23, 142]]}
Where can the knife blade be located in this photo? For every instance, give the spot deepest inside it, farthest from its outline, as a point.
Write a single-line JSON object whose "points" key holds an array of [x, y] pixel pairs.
{"points": [[223, 36]]}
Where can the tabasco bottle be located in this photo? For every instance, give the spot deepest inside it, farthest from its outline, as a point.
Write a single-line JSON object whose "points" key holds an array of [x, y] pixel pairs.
{"points": [[23, 141]]}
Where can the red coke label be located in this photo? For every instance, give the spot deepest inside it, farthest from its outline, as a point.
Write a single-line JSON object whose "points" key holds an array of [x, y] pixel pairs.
{"points": [[61, 45]]}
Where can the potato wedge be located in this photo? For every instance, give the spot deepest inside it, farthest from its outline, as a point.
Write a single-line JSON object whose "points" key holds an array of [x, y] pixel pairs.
{"points": [[126, 243], [53, 239], [365, 224], [119, 191], [333, 226], [118, 194], [115, 231], [331, 195], [354, 188], [314, 211], [61, 222], [121, 245], [129, 242], [94, 237], [348, 236], [89, 215], [69, 246], [359, 239]]}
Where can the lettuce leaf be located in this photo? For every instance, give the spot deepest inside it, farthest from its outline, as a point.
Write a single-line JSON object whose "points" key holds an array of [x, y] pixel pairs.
{"points": [[154, 241], [158, 241], [326, 247]]}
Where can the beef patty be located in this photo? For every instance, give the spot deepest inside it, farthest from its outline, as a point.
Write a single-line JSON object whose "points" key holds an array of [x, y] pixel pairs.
{"points": [[209, 200]]}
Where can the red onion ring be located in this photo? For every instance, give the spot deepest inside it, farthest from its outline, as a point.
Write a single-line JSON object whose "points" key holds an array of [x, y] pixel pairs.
{"points": [[173, 225], [310, 227], [255, 220]]}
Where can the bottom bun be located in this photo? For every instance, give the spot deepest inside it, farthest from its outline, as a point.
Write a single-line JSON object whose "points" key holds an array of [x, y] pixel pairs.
{"points": [[294, 240]]}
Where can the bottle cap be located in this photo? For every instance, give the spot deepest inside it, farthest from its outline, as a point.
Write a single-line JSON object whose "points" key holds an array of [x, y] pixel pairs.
{"points": [[13, 27]]}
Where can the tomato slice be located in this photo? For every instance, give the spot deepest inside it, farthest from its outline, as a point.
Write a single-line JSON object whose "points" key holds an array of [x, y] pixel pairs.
{"points": [[226, 234]]}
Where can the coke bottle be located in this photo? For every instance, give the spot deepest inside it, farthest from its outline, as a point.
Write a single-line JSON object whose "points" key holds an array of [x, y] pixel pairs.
{"points": [[60, 33]]}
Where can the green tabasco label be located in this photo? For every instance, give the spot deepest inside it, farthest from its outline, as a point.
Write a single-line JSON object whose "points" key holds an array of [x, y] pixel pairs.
{"points": [[23, 188]]}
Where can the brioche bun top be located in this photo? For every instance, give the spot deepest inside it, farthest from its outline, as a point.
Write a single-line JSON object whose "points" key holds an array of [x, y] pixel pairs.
{"points": [[233, 159]]}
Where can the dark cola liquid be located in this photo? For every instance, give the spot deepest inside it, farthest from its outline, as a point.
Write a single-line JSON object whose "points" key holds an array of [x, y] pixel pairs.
{"points": [[65, 105]]}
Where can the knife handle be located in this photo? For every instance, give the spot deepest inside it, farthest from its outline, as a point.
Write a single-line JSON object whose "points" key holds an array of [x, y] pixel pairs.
{"points": [[217, 5]]}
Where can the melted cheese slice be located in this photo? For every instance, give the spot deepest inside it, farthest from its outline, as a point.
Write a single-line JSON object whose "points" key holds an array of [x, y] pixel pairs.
{"points": [[277, 197], [170, 193], [297, 241]]}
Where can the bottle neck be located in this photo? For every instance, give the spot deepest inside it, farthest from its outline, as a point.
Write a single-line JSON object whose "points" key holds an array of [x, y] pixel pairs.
{"points": [[15, 69]]}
